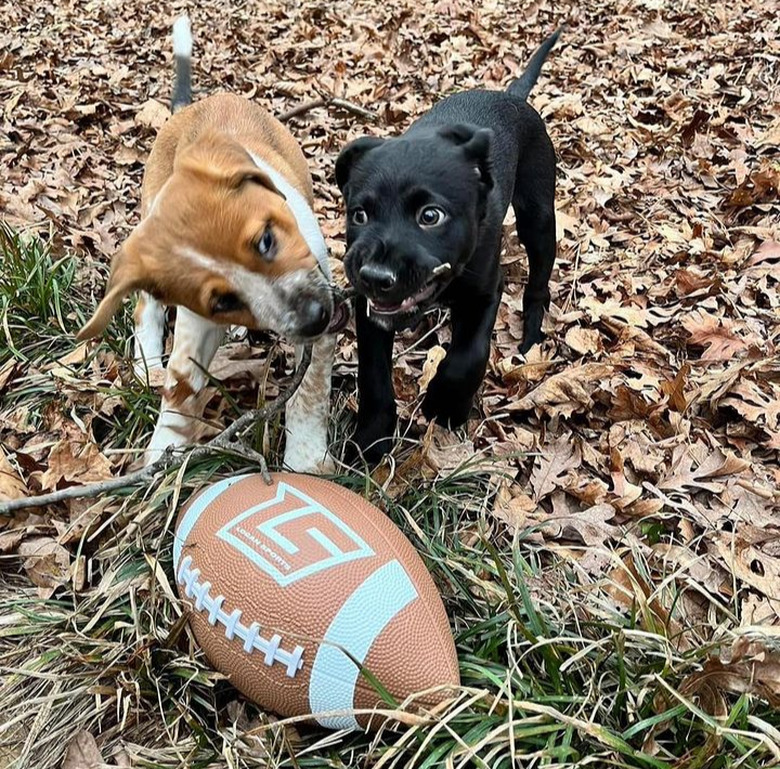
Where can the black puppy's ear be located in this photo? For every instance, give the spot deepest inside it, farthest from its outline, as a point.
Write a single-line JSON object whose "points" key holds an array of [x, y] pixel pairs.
{"points": [[351, 154], [476, 144]]}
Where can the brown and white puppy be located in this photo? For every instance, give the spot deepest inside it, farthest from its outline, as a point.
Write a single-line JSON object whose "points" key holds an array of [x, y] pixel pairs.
{"points": [[227, 234]]}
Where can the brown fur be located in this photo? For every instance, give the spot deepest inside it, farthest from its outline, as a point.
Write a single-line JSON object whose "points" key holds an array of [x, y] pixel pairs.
{"points": [[202, 191]]}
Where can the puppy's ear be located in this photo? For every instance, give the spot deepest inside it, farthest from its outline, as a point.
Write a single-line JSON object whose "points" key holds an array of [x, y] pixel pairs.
{"points": [[351, 154], [126, 277], [253, 175], [476, 144], [222, 160]]}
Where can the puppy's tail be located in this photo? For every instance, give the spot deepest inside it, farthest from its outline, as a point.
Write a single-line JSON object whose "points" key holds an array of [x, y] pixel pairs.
{"points": [[523, 85], [182, 53]]}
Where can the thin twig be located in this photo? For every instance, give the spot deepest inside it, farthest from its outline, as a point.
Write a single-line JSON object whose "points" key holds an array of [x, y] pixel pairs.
{"points": [[225, 441], [348, 106]]}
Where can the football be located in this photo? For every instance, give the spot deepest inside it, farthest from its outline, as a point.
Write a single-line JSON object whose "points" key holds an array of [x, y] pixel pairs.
{"points": [[306, 596]]}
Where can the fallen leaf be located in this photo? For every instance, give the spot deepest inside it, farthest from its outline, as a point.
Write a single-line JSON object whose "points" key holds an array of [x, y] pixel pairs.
{"points": [[63, 368], [47, 564], [588, 526], [233, 361], [715, 464], [75, 462], [431, 365], [82, 753], [565, 393], [552, 466], [152, 114], [11, 485], [585, 341], [675, 389], [717, 335], [633, 316], [443, 451], [513, 506], [751, 667]]}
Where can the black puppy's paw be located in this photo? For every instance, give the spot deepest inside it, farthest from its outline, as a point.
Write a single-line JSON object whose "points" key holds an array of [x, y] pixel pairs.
{"points": [[532, 329], [373, 438], [529, 341], [449, 397]]}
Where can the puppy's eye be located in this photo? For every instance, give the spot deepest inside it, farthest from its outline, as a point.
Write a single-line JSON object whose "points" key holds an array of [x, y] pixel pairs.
{"points": [[222, 303], [359, 217], [431, 216], [266, 246]]}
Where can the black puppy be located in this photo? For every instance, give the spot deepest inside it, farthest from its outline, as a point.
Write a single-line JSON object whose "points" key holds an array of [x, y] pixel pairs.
{"points": [[424, 226]]}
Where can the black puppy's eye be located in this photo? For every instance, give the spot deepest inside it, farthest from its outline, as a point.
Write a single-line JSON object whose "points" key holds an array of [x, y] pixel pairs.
{"points": [[222, 303], [359, 216], [266, 245], [431, 216]]}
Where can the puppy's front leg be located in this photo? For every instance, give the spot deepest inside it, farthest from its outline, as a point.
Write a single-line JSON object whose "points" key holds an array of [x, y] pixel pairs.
{"points": [[451, 392], [534, 205], [149, 318], [306, 418], [377, 414], [195, 342]]}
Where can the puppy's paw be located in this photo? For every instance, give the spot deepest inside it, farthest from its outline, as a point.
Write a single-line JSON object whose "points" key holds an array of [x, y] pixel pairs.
{"points": [[302, 457], [373, 439], [450, 394], [530, 341], [172, 432], [532, 329], [447, 410], [326, 466]]}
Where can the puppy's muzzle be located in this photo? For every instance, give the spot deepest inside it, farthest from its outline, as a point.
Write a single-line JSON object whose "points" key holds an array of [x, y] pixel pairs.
{"points": [[318, 308], [313, 315]]}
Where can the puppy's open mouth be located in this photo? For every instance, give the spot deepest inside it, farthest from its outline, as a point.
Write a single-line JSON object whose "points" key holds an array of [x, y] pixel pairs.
{"points": [[340, 316], [411, 303]]}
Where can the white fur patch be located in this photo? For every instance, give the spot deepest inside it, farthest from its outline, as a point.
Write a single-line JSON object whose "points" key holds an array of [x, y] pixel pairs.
{"points": [[148, 337], [306, 417], [304, 216], [182, 37], [195, 341]]}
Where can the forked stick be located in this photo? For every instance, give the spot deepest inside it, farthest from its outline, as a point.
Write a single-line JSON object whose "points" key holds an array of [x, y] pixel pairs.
{"points": [[227, 440]]}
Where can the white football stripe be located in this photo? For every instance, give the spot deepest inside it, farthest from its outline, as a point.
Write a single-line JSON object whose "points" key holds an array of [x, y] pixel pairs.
{"points": [[194, 512], [354, 629], [307, 222]]}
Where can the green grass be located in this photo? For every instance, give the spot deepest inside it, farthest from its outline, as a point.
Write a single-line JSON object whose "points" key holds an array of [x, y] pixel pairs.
{"points": [[34, 295], [555, 672]]}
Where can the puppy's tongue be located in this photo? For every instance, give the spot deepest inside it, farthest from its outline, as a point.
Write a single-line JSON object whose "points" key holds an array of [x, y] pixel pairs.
{"points": [[340, 316]]}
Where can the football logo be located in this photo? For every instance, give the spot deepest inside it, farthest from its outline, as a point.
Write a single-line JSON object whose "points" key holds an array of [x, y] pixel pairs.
{"points": [[302, 538]]}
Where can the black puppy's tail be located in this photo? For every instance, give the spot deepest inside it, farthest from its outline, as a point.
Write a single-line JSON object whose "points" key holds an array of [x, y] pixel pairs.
{"points": [[523, 85], [182, 53]]}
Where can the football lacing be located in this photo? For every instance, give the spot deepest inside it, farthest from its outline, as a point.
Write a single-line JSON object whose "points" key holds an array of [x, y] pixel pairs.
{"points": [[201, 593]]}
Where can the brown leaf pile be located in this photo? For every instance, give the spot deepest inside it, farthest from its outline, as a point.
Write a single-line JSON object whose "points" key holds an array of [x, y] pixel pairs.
{"points": [[657, 393]]}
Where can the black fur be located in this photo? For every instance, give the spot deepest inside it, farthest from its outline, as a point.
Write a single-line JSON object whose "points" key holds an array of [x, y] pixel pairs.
{"points": [[472, 155], [182, 87]]}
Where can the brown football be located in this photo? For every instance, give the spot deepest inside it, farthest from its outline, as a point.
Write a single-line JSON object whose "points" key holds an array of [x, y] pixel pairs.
{"points": [[296, 586]]}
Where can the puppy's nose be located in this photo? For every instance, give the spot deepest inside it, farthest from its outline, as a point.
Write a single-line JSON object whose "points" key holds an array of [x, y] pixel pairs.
{"points": [[313, 317], [378, 277]]}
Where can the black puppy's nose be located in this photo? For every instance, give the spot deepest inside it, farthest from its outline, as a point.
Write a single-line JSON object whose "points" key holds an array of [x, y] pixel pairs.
{"points": [[313, 316], [378, 277]]}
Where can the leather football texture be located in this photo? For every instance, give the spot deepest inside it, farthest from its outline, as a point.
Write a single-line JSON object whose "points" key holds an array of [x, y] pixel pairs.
{"points": [[295, 587]]}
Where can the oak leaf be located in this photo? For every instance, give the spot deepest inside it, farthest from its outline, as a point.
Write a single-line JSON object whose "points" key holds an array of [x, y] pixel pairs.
{"points": [[552, 466], [565, 393], [717, 335]]}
